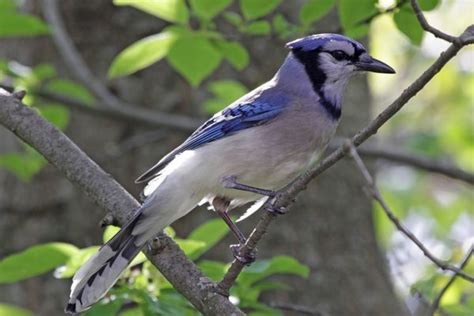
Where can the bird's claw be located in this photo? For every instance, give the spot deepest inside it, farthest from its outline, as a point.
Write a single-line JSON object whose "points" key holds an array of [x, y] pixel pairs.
{"points": [[244, 258], [276, 210]]}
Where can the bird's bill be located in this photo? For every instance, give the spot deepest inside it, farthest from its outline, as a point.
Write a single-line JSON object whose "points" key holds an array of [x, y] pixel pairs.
{"points": [[374, 65]]}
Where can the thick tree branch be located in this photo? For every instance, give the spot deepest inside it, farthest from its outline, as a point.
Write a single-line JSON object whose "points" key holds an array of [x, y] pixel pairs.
{"points": [[288, 194], [435, 305], [61, 152], [110, 104], [375, 194]]}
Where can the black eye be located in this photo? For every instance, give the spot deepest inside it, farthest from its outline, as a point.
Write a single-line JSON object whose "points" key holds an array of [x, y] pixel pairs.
{"points": [[339, 55]]}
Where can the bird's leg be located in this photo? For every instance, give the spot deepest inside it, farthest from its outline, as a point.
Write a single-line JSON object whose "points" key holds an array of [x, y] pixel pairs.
{"points": [[230, 182], [221, 207]]}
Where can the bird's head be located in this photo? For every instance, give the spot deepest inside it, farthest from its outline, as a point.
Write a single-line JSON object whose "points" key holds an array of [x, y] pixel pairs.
{"points": [[329, 60], [336, 55]]}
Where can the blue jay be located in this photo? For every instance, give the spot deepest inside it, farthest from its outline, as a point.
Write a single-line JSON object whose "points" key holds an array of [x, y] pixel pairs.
{"points": [[255, 146]]}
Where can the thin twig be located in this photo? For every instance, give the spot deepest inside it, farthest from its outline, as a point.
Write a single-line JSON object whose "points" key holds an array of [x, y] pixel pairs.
{"points": [[432, 165], [375, 193], [435, 305], [288, 194], [110, 104], [61, 152], [427, 27]]}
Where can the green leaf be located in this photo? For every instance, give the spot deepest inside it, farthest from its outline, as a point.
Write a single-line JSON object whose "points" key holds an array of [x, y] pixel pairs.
{"points": [[406, 21], [312, 10], [257, 28], [34, 261], [351, 13], [225, 92], [428, 5], [57, 114], [234, 53], [233, 18], [142, 54], [277, 265], [204, 60], [13, 24], [207, 9], [169, 10], [214, 270], [192, 248], [7, 5], [209, 233], [10, 310], [70, 88], [23, 165], [253, 9]]}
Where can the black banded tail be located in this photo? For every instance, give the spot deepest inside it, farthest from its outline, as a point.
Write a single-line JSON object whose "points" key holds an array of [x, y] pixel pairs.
{"points": [[92, 281]]}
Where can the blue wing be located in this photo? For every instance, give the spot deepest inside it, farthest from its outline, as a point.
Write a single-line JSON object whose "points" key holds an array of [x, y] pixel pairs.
{"points": [[230, 120]]}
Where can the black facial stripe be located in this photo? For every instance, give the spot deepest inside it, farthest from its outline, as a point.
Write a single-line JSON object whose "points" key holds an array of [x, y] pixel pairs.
{"points": [[310, 61]]}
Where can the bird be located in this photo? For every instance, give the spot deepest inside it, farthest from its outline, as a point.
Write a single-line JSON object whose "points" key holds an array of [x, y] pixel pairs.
{"points": [[244, 153]]}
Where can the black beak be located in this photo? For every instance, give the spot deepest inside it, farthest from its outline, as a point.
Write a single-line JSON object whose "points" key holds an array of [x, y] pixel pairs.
{"points": [[368, 63]]}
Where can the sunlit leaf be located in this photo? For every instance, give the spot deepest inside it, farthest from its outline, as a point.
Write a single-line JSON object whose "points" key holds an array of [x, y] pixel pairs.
{"points": [[234, 53], [207, 9], [10, 310], [257, 28], [7, 5], [24, 165], [34, 261], [169, 10], [428, 5], [225, 92], [142, 54], [253, 9], [70, 88], [209, 233], [57, 114], [408, 24], [192, 248], [352, 13], [277, 265], [13, 24], [205, 58], [213, 269], [312, 10]]}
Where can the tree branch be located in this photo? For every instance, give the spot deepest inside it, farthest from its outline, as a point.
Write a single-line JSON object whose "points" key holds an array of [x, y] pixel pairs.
{"points": [[427, 27], [399, 156], [111, 105], [61, 152], [375, 194], [286, 196], [135, 115], [435, 305]]}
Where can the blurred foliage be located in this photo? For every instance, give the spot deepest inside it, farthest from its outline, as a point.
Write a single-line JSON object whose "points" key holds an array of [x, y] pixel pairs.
{"points": [[142, 287], [437, 126]]}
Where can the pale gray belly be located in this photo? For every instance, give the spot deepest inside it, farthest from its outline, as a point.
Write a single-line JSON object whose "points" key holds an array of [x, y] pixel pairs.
{"points": [[268, 156]]}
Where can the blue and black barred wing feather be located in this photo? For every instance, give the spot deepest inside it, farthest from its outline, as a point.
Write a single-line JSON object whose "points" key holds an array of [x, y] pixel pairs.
{"points": [[223, 124]]}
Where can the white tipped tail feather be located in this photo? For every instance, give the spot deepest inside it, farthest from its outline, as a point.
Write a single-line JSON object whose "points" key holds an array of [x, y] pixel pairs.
{"points": [[99, 273]]}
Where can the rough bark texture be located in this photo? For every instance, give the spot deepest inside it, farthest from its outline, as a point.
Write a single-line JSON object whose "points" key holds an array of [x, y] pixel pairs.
{"points": [[330, 229]]}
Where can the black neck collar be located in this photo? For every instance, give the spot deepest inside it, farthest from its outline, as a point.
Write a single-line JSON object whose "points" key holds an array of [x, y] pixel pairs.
{"points": [[309, 59]]}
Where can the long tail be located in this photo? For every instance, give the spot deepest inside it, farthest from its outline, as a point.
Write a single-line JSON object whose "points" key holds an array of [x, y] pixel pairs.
{"points": [[101, 271]]}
